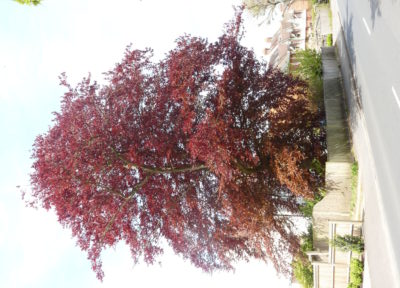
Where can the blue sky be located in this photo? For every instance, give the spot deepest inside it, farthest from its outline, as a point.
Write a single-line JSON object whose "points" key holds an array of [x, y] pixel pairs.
{"points": [[77, 37]]}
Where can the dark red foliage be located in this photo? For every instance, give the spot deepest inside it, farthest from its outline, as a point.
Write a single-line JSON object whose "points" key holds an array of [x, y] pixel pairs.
{"points": [[205, 149]]}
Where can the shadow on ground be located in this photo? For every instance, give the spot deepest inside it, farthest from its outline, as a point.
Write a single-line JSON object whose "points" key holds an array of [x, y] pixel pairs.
{"points": [[348, 58], [375, 10]]}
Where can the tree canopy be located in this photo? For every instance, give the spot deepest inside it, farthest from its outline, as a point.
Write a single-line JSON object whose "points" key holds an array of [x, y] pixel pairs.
{"points": [[29, 2], [206, 149], [265, 8]]}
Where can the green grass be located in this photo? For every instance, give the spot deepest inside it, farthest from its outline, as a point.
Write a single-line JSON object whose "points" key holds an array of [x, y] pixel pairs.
{"points": [[329, 40], [356, 273], [354, 184]]}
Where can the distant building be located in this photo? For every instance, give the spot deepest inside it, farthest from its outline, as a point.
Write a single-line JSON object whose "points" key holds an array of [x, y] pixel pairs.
{"points": [[292, 35]]}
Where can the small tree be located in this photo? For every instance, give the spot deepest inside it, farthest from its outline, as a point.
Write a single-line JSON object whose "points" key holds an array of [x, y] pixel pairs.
{"points": [[349, 243], [266, 8]]}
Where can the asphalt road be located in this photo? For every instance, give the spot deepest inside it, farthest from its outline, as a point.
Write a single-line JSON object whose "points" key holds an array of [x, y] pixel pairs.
{"points": [[372, 32]]}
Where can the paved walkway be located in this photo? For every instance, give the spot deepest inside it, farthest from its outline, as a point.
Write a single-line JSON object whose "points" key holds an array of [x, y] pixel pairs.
{"points": [[337, 129], [325, 21], [336, 204], [322, 24]]}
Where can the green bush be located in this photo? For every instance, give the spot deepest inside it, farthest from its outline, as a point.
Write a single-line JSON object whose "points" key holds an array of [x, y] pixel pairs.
{"points": [[310, 70], [307, 207], [310, 64], [302, 268], [356, 272], [317, 167], [349, 243], [307, 240], [302, 271]]}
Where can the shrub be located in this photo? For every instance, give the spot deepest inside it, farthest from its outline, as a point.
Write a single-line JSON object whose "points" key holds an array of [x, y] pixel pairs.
{"points": [[307, 240], [302, 268], [317, 167], [302, 271], [310, 64], [349, 243], [307, 207], [356, 272], [310, 70]]}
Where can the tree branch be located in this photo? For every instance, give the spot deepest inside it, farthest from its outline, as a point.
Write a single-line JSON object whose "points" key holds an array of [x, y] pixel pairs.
{"points": [[156, 170], [246, 169], [112, 220], [165, 170]]}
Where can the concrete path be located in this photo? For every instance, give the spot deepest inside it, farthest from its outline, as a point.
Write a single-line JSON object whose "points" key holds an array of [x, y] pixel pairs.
{"points": [[337, 129], [324, 20], [322, 25], [336, 203]]}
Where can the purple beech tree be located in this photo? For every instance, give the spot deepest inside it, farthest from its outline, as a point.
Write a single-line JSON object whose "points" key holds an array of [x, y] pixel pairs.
{"points": [[205, 149]]}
